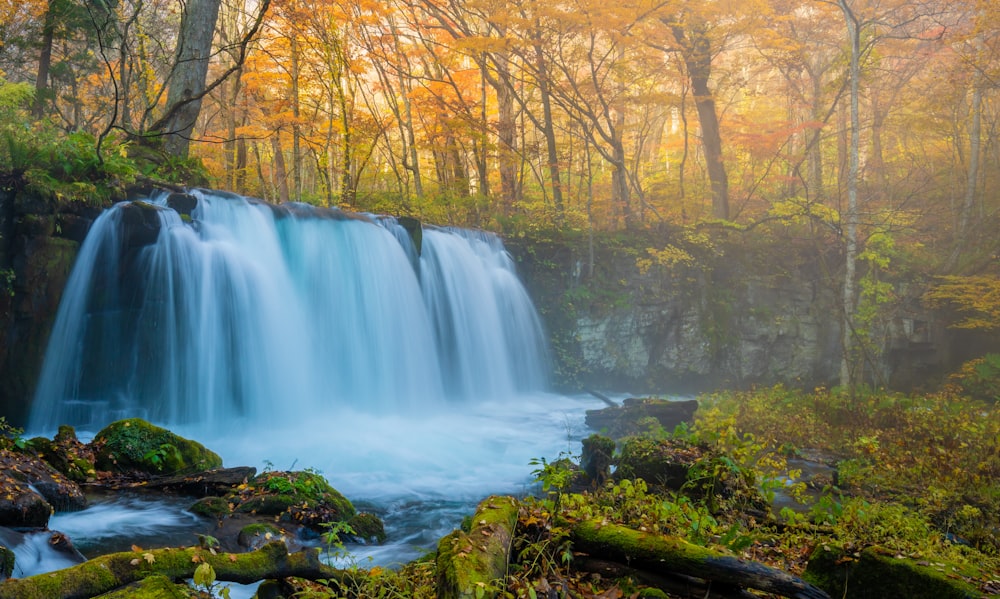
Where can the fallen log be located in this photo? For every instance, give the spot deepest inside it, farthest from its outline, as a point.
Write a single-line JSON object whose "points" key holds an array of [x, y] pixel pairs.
{"points": [[109, 572], [477, 560], [665, 554]]}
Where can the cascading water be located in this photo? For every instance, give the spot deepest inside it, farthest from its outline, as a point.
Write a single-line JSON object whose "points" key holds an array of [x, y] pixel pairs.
{"points": [[296, 337], [252, 313]]}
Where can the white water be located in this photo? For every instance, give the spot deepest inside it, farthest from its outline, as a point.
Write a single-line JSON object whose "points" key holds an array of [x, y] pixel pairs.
{"points": [[292, 338]]}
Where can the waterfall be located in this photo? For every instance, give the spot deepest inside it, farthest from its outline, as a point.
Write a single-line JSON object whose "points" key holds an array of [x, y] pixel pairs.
{"points": [[240, 312]]}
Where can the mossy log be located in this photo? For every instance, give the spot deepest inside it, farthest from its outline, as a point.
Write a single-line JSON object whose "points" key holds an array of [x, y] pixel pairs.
{"points": [[875, 573], [665, 554], [109, 572], [477, 559]]}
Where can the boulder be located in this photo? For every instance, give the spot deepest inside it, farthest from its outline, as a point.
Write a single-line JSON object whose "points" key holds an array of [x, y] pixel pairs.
{"points": [[208, 483], [136, 446], [31, 490], [301, 497]]}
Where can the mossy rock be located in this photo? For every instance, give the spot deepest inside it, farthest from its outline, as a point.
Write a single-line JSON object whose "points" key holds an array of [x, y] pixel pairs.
{"points": [[6, 562], [66, 454], [597, 457], [211, 507], [873, 574], [368, 527], [303, 497], [723, 486], [661, 463], [137, 445]]}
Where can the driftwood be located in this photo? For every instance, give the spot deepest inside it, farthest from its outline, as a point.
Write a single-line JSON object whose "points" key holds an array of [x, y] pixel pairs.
{"points": [[664, 554], [109, 572], [477, 559]]}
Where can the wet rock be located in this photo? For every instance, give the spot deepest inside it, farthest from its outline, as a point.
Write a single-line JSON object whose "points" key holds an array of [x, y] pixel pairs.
{"points": [[28, 479], [367, 527], [215, 482], [20, 507], [140, 224], [182, 203]]}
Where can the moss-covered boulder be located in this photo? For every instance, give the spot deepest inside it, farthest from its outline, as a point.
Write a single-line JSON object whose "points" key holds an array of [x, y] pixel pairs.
{"points": [[662, 463], [212, 507], [367, 527], [874, 573], [138, 446], [66, 454], [704, 475], [302, 497]]}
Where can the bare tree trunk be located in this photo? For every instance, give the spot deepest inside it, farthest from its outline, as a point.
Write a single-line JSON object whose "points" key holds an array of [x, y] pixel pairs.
{"points": [[187, 79], [850, 217], [44, 62], [697, 53], [975, 141], [548, 128], [280, 172], [507, 137]]}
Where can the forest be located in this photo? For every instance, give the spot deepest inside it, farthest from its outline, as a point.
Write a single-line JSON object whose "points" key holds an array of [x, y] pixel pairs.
{"points": [[670, 130]]}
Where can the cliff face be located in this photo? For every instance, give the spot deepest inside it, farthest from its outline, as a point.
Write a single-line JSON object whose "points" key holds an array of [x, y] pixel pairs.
{"points": [[734, 312], [38, 243]]}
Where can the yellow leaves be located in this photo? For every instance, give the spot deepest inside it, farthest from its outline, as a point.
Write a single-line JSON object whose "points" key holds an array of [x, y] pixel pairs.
{"points": [[149, 557], [800, 210], [977, 298]]}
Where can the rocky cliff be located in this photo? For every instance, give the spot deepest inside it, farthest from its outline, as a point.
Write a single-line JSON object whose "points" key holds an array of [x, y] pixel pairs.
{"points": [[39, 238], [674, 312]]}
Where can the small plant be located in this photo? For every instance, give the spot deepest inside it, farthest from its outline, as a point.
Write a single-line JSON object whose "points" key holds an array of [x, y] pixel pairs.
{"points": [[204, 578], [333, 535], [10, 436], [554, 476], [163, 455]]}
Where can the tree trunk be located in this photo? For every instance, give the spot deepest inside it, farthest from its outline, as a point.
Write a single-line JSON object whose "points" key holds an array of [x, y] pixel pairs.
{"points": [[662, 554], [187, 79], [697, 53], [109, 572], [972, 176], [466, 561], [850, 217], [548, 128], [44, 62], [280, 172], [506, 136]]}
